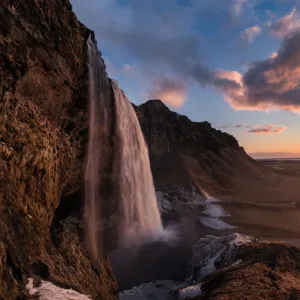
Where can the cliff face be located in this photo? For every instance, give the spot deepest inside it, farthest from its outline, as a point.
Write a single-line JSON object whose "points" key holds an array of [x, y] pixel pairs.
{"points": [[167, 131], [192, 154], [43, 132]]}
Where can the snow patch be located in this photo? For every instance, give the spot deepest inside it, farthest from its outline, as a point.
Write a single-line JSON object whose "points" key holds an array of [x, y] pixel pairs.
{"points": [[179, 198], [215, 211], [189, 292], [48, 291], [164, 205], [211, 253], [236, 263], [152, 290], [213, 214], [215, 223]]}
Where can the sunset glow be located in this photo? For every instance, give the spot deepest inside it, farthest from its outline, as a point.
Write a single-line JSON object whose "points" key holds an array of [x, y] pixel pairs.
{"points": [[230, 71]]}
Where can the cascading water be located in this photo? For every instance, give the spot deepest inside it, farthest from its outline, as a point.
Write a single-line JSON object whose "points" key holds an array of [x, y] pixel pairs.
{"points": [[140, 214], [140, 218], [93, 168]]}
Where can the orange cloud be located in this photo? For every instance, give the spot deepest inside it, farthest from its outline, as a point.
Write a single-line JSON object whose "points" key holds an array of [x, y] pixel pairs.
{"points": [[257, 128], [170, 91], [269, 84], [262, 129]]}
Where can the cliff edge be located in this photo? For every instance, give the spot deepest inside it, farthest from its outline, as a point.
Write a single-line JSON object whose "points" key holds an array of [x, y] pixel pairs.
{"points": [[43, 132]]}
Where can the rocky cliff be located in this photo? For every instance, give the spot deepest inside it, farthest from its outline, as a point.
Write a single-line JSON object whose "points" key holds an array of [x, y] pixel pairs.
{"points": [[43, 132], [193, 154], [43, 137]]}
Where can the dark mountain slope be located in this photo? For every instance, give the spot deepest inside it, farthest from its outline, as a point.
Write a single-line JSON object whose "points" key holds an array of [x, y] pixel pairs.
{"points": [[185, 153]]}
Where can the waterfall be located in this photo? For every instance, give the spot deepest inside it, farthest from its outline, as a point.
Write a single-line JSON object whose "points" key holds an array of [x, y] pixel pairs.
{"points": [[93, 168], [141, 219]]}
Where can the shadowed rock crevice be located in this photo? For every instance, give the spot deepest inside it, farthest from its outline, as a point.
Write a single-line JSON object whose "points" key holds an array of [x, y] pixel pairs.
{"points": [[40, 269], [16, 271]]}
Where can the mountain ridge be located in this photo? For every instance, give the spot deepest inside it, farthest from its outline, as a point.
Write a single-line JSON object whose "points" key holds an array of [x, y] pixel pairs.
{"points": [[215, 157], [203, 124]]}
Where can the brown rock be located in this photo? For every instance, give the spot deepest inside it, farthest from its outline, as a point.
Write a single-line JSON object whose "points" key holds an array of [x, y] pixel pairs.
{"points": [[267, 271], [43, 126]]}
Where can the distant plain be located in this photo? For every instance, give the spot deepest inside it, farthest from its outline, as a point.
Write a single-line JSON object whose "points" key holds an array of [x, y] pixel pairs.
{"points": [[270, 207]]}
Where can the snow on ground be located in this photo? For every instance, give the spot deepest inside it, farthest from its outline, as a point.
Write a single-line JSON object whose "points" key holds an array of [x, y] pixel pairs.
{"points": [[48, 291], [179, 198], [214, 210], [189, 292], [164, 205], [236, 263], [215, 223], [211, 252], [156, 290], [213, 215]]}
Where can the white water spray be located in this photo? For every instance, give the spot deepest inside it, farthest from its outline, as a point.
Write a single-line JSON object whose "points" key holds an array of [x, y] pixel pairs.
{"points": [[141, 219], [92, 171]]}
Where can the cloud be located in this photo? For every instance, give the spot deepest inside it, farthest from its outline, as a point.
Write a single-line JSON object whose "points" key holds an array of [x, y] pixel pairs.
{"points": [[269, 84], [115, 70], [170, 91], [274, 55], [237, 6], [231, 126], [266, 129], [161, 37], [127, 68], [257, 128], [250, 33], [286, 24], [156, 34]]}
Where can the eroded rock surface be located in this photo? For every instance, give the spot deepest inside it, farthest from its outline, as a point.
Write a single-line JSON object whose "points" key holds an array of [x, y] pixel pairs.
{"points": [[43, 132]]}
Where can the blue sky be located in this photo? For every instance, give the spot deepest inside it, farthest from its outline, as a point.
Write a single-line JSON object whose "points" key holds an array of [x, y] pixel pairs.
{"points": [[209, 60]]}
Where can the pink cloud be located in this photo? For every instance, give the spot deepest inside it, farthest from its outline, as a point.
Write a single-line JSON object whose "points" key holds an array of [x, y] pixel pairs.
{"points": [[238, 6], [250, 33], [170, 91], [286, 24], [263, 129], [259, 129], [268, 84]]}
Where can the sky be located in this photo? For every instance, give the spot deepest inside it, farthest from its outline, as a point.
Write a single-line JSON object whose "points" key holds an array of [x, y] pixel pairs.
{"points": [[233, 63]]}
